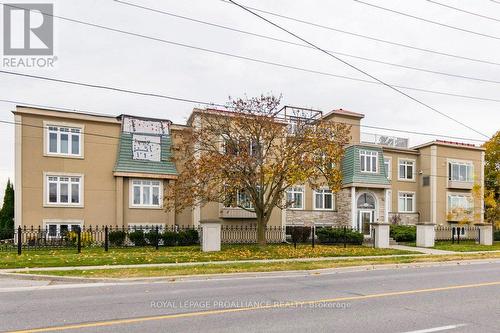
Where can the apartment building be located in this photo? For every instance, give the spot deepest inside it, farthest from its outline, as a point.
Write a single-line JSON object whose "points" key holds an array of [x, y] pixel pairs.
{"points": [[74, 169]]}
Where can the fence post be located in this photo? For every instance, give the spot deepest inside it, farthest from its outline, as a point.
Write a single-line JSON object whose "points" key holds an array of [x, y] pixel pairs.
{"points": [[157, 238], [106, 239], [374, 235], [19, 240], [79, 239], [345, 237], [458, 235], [313, 234], [453, 235]]}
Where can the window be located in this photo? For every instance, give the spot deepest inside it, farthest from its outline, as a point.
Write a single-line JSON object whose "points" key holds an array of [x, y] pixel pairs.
{"points": [[368, 161], [389, 201], [63, 140], [295, 196], [231, 146], [146, 193], [406, 170], [323, 199], [406, 202], [244, 200], [460, 171], [388, 167], [60, 229], [459, 202], [64, 190]]}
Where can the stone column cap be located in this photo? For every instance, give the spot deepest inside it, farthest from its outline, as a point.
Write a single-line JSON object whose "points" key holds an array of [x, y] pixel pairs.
{"points": [[380, 223], [483, 224], [211, 221], [425, 223]]}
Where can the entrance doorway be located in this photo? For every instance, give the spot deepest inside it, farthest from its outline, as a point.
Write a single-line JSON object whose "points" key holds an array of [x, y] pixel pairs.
{"points": [[366, 205], [365, 219]]}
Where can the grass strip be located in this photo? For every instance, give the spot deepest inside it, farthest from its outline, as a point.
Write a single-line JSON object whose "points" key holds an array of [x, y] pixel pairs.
{"points": [[255, 267]]}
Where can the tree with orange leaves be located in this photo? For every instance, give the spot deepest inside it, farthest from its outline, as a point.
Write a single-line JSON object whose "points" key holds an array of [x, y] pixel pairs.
{"points": [[249, 156]]}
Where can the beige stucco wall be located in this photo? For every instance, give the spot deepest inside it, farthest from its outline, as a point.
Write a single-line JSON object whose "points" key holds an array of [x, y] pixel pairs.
{"points": [[444, 154], [96, 166], [402, 185]]}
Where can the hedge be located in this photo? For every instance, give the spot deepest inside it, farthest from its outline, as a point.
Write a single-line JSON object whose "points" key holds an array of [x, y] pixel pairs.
{"points": [[403, 233], [339, 236]]}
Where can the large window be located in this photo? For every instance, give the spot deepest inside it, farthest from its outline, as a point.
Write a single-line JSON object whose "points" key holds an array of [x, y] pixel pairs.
{"points": [[295, 197], [323, 199], [63, 140], [368, 161], [459, 202], [64, 190], [406, 202], [60, 229], [460, 171], [406, 169], [146, 193], [388, 167]]}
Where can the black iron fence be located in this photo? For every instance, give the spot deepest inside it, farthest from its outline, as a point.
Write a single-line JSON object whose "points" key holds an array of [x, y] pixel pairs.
{"points": [[35, 238], [106, 237], [458, 233]]}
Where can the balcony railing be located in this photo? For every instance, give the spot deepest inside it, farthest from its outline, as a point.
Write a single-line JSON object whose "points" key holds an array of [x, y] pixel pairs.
{"points": [[384, 140], [235, 213]]}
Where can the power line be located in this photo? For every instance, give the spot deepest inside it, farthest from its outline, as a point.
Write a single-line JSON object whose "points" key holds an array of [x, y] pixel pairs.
{"points": [[277, 137], [370, 37], [429, 21], [261, 61], [464, 11], [220, 105], [359, 70], [225, 27]]}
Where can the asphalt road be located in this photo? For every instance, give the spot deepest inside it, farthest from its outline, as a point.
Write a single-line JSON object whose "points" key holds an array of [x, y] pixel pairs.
{"points": [[458, 298]]}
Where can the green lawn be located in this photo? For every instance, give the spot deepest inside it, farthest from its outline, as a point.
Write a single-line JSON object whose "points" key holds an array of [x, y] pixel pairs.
{"points": [[466, 246], [148, 255], [255, 267]]}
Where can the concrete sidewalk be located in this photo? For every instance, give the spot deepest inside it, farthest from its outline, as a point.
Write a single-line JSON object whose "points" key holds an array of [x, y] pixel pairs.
{"points": [[423, 249]]}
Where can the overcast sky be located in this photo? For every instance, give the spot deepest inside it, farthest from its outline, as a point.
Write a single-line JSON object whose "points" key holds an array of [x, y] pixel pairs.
{"points": [[97, 56]]}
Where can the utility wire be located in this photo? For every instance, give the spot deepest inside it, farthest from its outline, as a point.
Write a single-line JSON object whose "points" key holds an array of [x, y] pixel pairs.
{"points": [[281, 65], [359, 70], [370, 37], [225, 27], [429, 21], [464, 11], [220, 105], [277, 137]]}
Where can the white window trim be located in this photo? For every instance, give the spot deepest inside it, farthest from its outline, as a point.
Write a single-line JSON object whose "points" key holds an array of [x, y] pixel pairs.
{"points": [[376, 164], [303, 197], [466, 195], [140, 206], [389, 171], [46, 141], [414, 201], [324, 209], [413, 178], [457, 161], [46, 202], [58, 222], [389, 201]]}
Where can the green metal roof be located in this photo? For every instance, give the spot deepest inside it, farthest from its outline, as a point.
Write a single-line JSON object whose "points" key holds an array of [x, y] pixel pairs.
{"points": [[126, 163], [351, 170]]}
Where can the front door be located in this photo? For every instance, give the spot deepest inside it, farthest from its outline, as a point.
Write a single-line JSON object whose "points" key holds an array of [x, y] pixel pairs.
{"points": [[365, 219]]}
